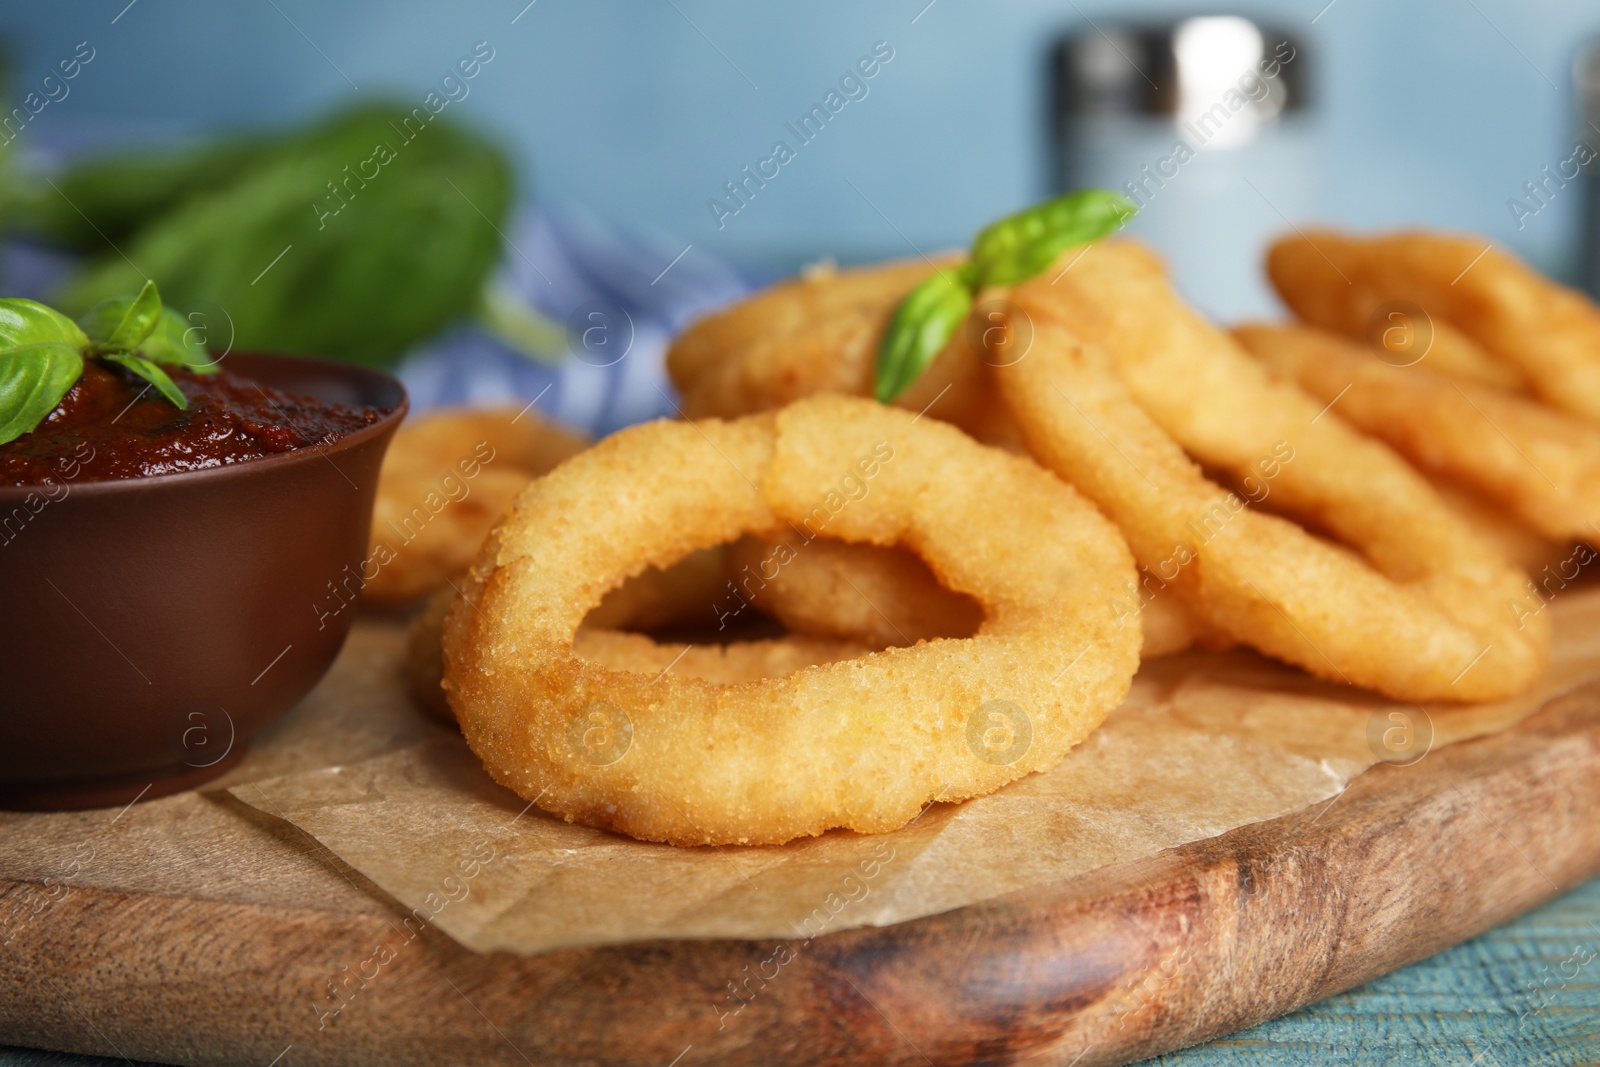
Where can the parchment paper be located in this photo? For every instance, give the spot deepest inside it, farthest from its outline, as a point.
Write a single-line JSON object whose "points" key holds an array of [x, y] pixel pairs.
{"points": [[1205, 743]]}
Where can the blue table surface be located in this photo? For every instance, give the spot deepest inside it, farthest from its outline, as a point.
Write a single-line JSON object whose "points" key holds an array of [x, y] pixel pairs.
{"points": [[1525, 993]]}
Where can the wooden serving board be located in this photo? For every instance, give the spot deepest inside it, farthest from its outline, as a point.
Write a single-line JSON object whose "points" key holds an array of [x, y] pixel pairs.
{"points": [[1122, 963]]}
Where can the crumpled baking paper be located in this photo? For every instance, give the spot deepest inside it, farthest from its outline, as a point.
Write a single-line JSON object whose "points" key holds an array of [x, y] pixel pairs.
{"points": [[1203, 744]]}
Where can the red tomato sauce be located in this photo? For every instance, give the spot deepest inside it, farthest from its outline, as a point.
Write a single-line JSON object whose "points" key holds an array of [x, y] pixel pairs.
{"points": [[129, 430]]}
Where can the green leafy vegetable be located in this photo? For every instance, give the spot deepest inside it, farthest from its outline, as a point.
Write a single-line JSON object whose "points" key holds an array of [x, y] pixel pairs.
{"points": [[173, 341], [42, 352], [922, 324], [159, 333], [352, 239], [1021, 245], [24, 322], [40, 358], [109, 198], [119, 325], [1004, 253], [33, 379], [152, 374]]}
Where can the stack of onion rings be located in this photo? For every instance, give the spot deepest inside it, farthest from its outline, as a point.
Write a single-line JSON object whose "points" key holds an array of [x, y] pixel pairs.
{"points": [[1422, 616], [1535, 331], [818, 334], [1123, 385], [1541, 465]]}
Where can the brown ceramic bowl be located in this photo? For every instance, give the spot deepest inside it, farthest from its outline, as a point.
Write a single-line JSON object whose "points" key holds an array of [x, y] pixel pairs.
{"points": [[149, 627]]}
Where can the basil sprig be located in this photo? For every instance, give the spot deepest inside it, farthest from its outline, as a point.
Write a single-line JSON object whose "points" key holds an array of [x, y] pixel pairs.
{"points": [[42, 352], [1004, 253], [921, 325]]}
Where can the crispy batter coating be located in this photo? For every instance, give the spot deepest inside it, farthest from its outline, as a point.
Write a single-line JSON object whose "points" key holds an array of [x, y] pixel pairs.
{"points": [[864, 743], [1513, 538], [736, 663], [448, 475], [747, 661], [819, 333], [1541, 465], [1547, 332], [1122, 380]]}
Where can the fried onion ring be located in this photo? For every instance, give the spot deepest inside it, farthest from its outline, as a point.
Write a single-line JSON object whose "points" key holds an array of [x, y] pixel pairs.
{"points": [[863, 743], [446, 478], [517, 437], [819, 333], [1122, 379], [1511, 537], [422, 539], [1548, 333], [1541, 465]]}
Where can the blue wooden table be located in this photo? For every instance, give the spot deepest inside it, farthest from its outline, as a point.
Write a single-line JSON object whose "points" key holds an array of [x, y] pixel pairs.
{"points": [[1527, 993]]}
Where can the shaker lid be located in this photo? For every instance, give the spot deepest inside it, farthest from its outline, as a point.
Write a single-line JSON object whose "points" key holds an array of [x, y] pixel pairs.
{"points": [[1184, 70]]}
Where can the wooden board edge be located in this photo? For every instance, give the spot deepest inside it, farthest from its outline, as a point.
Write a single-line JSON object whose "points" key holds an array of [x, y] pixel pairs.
{"points": [[1112, 966]]}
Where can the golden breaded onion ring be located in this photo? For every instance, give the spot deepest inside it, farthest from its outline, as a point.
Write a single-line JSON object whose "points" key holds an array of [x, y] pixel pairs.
{"points": [[518, 437], [422, 536], [1546, 332], [1122, 380], [446, 478], [1541, 465], [819, 333], [864, 743]]}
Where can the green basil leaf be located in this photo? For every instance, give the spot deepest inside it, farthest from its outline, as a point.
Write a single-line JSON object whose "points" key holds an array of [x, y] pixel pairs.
{"points": [[24, 322], [99, 321], [1021, 245], [152, 374], [173, 342], [1009, 251], [33, 379], [922, 325], [120, 323]]}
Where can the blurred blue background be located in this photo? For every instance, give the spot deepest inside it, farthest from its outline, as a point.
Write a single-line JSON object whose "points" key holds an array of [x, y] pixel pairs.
{"points": [[1433, 111]]}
